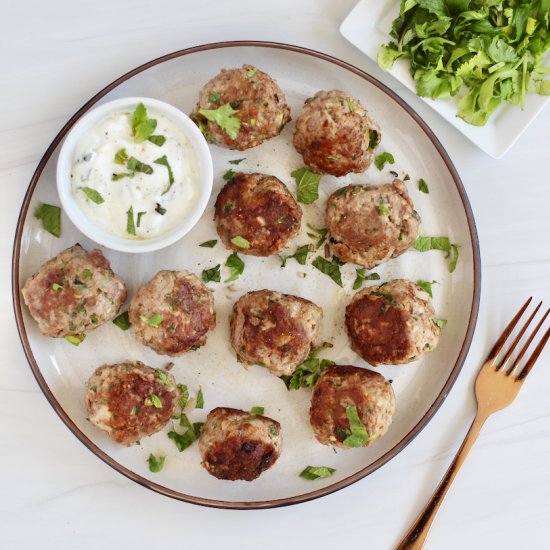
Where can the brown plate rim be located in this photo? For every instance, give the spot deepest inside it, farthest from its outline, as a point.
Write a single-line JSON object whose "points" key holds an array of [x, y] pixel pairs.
{"points": [[246, 505]]}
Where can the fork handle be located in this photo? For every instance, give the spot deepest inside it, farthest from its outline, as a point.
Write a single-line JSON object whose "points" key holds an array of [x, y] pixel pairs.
{"points": [[416, 537]]}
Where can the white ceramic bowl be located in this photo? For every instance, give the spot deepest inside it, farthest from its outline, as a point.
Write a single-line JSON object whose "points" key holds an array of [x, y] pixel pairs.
{"points": [[87, 226]]}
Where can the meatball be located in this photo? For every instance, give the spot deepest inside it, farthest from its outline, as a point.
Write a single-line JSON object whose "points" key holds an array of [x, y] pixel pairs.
{"points": [[370, 224], [173, 312], [342, 387], [255, 104], [274, 330], [259, 209], [236, 444], [130, 400], [74, 292], [335, 135], [392, 324]]}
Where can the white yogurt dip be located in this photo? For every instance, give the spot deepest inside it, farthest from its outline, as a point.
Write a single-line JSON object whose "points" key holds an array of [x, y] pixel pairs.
{"points": [[144, 203]]}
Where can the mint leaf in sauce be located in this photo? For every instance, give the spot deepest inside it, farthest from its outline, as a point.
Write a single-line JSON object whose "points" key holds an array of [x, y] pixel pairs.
{"points": [[51, 218], [139, 216], [160, 210], [142, 126], [121, 156], [93, 195], [157, 140], [137, 166], [164, 162], [130, 224]]}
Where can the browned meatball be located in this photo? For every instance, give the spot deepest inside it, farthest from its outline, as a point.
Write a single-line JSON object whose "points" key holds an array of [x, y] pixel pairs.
{"points": [[173, 312], [130, 400], [261, 109], [74, 292], [259, 209], [392, 323], [335, 135], [274, 330], [236, 444], [338, 390], [370, 224]]}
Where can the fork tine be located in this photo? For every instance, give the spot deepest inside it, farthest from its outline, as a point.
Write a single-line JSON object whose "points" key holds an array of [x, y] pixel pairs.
{"points": [[534, 356], [514, 367], [519, 336], [507, 331]]}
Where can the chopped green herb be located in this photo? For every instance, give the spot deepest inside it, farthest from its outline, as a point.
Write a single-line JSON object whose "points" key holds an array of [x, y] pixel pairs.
{"points": [[184, 421], [328, 268], [156, 402], [160, 209], [359, 436], [251, 72], [423, 186], [161, 375], [229, 175], [142, 126], [197, 428], [136, 165], [388, 297], [257, 410], [382, 209], [362, 276], [121, 156], [200, 400], [351, 104], [184, 395], [374, 138], [454, 257], [382, 159], [57, 287], [427, 286], [121, 175], [130, 224], [316, 472], [423, 244], [183, 441], [300, 255], [93, 195], [157, 140], [236, 161], [488, 52], [322, 232], [153, 321], [407, 177], [273, 429], [164, 162], [156, 464], [214, 97], [307, 373], [209, 244], [223, 117], [440, 323], [212, 274], [241, 242], [134, 411], [75, 339], [139, 216], [94, 388], [307, 185], [87, 274], [235, 265]]}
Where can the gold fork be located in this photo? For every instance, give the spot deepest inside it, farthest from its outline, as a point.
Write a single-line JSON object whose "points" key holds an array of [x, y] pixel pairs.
{"points": [[496, 387]]}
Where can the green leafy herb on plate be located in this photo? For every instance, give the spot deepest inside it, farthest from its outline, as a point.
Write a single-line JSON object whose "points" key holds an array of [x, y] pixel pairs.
{"points": [[307, 185], [51, 218]]}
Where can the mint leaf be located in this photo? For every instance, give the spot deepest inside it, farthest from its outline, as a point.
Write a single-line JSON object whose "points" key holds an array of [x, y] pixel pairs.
{"points": [[183, 441], [212, 274], [200, 400], [142, 126], [93, 195], [257, 410], [75, 339], [229, 175], [209, 244], [321, 232], [184, 395], [236, 267], [156, 464], [427, 286], [157, 140], [214, 97], [362, 276], [236, 161], [122, 321], [332, 269], [423, 186], [316, 472], [51, 218], [164, 162], [440, 323], [307, 185], [135, 165], [307, 373], [382, 159], [359, 435], [300, 255], [130, 224], [223, 117], [121, 156]]}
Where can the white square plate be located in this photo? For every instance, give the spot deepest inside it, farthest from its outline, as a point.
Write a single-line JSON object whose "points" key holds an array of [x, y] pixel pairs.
{"points": [[368, 27]]}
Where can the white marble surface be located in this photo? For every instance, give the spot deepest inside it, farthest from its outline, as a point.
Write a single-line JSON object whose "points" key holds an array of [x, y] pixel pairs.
{"points": [[56, 494]]}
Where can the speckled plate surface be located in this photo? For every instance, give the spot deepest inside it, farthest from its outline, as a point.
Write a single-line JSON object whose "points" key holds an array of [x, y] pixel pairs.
{"points": [[61, 369]]}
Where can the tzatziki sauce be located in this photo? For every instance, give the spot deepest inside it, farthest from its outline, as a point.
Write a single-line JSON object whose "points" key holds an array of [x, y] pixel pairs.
{"points": [[130, 186]]}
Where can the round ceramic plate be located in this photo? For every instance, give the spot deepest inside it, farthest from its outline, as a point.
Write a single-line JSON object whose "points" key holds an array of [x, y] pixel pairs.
{"points": [[61, 369]]}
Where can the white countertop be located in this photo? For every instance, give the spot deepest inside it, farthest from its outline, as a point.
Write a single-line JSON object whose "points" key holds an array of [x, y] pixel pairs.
{"points": [[57, 494]]}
